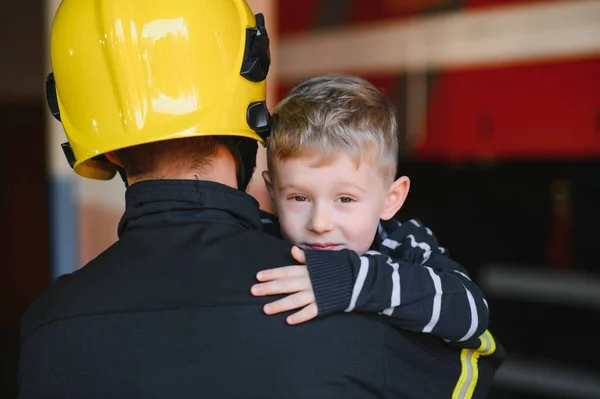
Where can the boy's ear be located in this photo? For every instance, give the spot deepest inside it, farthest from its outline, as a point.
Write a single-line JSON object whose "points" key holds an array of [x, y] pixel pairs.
{"points": [[395, 197], [267, 177]]}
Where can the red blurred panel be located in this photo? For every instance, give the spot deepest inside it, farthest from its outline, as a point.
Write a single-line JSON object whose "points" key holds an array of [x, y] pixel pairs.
{"points": [[533, 111], [385, 10], [299, 16], [296, 16], [384, 83], [379, 10]]}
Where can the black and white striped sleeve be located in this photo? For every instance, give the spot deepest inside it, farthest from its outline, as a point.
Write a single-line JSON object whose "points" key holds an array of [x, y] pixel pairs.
{"points": [[407, 278]]}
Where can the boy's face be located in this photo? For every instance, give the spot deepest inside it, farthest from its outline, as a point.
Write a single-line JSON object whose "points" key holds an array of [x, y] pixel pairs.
{"points": [[332, 205]]}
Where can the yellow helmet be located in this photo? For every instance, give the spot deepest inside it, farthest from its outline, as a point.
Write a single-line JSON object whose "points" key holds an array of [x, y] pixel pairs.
{"points": [[129, 72]]}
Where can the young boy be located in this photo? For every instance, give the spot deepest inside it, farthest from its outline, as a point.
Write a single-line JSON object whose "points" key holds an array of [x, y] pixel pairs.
{"points": [[332, 166]]}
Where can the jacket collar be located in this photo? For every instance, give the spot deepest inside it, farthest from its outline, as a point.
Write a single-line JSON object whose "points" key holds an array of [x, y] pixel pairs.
{"points": [[146, 201]]}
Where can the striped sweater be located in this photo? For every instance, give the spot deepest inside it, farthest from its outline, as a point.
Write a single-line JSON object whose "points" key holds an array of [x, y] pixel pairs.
{"points": [[406, 277]]}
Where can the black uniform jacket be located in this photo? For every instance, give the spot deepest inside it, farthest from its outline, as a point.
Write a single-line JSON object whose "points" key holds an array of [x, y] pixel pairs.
{"points": [[166, 312]]}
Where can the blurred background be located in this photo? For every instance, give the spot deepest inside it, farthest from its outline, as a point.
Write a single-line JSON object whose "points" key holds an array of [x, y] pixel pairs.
{"points": [[499, 104]]}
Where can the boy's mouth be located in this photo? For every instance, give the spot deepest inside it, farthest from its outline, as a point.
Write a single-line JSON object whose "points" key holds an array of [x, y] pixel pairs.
{"points": [[325, 246]]}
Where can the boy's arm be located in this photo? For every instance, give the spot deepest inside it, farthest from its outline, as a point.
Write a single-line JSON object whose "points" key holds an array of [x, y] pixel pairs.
{"points": [[408, 278], [344, 281]]}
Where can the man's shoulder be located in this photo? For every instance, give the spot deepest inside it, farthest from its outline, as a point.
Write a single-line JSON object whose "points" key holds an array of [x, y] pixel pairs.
{"points": [[92, 286], [119, 280], [262, 246], [53, 303]]}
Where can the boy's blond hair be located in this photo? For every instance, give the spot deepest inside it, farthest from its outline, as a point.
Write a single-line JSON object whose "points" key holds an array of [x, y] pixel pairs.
{"points": [[333, 113]]}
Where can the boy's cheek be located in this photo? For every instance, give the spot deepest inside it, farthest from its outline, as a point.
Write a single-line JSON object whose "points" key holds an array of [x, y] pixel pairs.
{"points": [[291, 226], [279, 206]]}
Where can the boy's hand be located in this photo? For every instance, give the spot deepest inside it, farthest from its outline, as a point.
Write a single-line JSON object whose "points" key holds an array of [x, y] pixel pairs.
{"points": [[292, 280]]}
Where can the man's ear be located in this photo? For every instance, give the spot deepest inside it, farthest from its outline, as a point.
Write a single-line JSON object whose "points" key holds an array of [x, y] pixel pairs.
{"points": [[268, 184], [395, 197], [112, 157]]}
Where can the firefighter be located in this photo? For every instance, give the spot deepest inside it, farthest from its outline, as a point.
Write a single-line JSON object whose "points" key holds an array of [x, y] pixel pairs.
{"points": [[171, 95]]}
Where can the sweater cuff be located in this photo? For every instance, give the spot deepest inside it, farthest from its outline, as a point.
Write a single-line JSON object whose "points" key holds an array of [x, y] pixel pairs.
{"points": [[331, 278]]}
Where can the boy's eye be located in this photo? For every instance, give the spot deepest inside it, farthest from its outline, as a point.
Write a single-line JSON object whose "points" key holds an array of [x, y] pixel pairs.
{"points": [[345, 200], [299, 198]]}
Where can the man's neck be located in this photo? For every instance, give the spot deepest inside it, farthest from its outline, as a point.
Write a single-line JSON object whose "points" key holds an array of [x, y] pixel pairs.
{"points": [[221, 169]]}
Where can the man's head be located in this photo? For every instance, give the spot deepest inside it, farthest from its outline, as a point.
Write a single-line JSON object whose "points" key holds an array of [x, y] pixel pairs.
{"points": [[333, 157], [143, 74]]}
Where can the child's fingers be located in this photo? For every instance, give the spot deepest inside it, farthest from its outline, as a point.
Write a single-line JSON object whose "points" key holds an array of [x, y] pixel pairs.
{"points": [[308, 313], [282, 286], [298, 254], [281, 273], [290, 302]]}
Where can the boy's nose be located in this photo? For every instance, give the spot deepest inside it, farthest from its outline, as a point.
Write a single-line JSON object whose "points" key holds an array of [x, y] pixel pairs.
{"points": [[321, 220]]}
